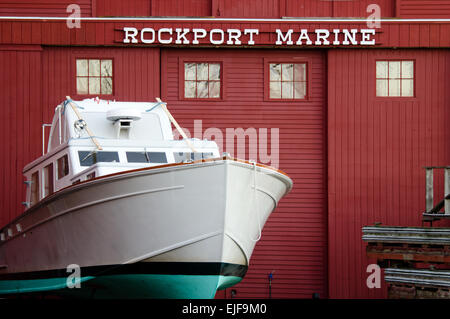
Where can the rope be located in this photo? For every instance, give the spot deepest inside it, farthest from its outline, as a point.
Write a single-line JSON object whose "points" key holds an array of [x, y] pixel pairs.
{"points": [[67, 102], [156, 105]]}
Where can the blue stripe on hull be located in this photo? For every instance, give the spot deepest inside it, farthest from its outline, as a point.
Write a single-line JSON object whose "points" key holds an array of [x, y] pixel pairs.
{"points": [[127, 286], [36, 285]]}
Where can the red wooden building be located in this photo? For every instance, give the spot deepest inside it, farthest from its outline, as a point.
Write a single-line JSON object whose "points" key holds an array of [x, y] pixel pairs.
{"points": [[358, 106]]}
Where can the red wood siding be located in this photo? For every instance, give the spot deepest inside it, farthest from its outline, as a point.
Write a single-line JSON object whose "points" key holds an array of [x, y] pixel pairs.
{"points": [[20, 98], [44, 8], [338, 8], [423, 9], [120, 8], [294, 243], [188, 8], [358, 8], [229, 8], [376, 150], [246, 8], [33, 83], [308, 8]]}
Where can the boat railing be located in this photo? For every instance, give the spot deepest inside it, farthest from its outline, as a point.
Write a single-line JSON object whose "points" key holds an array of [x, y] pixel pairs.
{"points": [[43, 137], [433, 212]]}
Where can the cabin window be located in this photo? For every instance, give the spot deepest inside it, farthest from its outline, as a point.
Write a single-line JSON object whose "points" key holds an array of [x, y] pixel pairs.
{"points": [[34, 188], [94, 76], [149, 157], [395, 78], [90, 176], [63, 166], [88, 158], [288, 81], [48, 180], [202, 80], [188, 156]]}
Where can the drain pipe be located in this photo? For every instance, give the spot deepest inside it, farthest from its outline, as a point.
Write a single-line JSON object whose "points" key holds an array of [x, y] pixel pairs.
{"points": [[270, 284]]}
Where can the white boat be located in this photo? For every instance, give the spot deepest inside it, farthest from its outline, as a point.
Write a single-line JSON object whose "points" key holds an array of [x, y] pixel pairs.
{"points": [[139, 214]]}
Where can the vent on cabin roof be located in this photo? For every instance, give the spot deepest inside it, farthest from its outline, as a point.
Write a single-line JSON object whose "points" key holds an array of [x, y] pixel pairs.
{"points": [[123, 119]]}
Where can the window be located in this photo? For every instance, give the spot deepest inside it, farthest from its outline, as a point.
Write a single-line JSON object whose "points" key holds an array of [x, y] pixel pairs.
{"points": [[89, 158], [90, 176], [48, 180], [34, 188], [288, 81], [395, 78], [146, 157], [94, 76], [187, 156], [202, 80], [63, 166]]}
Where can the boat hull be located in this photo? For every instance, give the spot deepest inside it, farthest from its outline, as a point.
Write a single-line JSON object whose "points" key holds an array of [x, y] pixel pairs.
{"points": [[179, 280], [197, 214]]}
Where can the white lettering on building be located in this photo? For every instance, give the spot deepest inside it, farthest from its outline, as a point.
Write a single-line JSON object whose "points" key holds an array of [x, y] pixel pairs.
{"points": [[290, 37]]}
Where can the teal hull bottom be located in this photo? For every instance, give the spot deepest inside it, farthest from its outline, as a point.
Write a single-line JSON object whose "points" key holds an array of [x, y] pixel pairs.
{"points": [[130, 282]]}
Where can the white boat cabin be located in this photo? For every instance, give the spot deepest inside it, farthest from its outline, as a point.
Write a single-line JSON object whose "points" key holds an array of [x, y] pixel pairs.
{"points": [[130, 135]]}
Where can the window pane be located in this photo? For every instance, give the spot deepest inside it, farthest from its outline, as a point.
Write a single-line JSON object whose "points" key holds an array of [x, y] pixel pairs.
{"points": [[202, 71], [407, 87], [89, 158], [136, 157], [382, 69], [34, 188], [300, 72], [106, 86], [106, 66], [63, 166], [157, 157], [82, 68], [202, 89], [407, 69], [299, 90], [287, 90], [275, 90], [287, 72], [382, 87], [394, 87], [94, 67], [190, 71], [94, 85], [214, 71], [214, 89], [82, 85], [394, 70], [189, 89], [48, 180], [150, 157], [275, 72]]}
